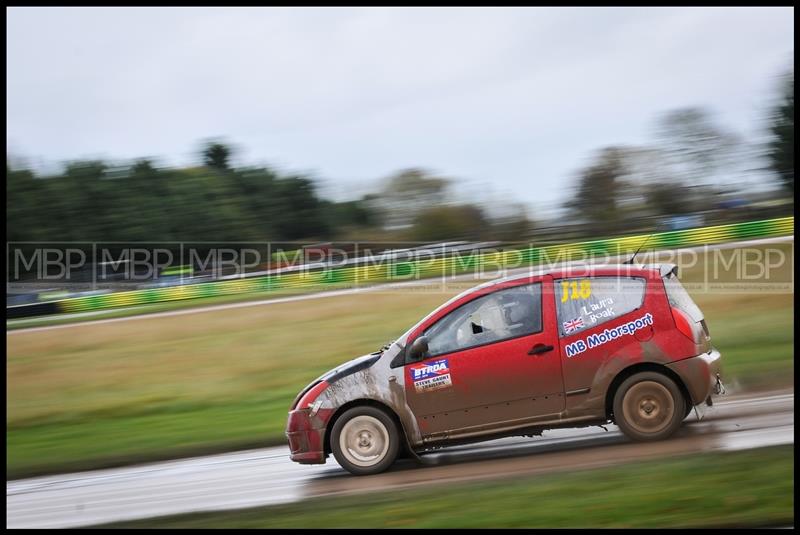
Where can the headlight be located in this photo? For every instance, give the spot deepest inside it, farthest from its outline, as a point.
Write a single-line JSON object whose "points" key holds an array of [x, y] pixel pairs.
{"points": [[311, 396]]}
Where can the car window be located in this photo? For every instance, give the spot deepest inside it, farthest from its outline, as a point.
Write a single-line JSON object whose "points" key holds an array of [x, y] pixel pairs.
{"points": [[494, 317], [585, 302]]}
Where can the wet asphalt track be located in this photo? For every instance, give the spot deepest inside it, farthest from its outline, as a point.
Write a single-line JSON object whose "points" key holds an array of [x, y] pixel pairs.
{"points": [[266, 476]]}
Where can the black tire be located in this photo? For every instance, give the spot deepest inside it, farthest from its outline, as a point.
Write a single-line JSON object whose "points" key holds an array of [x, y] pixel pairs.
{"points": [[363, 431], [649, 406]]}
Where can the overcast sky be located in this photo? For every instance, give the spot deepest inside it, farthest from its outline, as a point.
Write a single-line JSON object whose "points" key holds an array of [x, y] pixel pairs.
{"points": [[514, 98]]}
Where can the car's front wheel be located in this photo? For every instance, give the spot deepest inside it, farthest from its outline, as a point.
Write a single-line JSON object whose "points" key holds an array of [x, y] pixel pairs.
{"points": [[649, 406], [365, 440]]}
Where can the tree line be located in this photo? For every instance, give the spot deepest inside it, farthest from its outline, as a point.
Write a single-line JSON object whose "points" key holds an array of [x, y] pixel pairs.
{"points": [[675, 174], [141, 202]]}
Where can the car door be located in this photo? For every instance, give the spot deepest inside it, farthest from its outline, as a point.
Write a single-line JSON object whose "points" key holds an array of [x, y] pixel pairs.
{"points": [[493, 363]]}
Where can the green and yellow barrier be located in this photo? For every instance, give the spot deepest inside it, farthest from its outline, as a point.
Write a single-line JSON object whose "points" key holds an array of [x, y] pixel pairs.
{"points": [[407, 270]]}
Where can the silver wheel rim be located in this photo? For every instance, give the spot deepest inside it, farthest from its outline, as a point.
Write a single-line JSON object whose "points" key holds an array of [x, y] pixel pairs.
{"points": [[364, 441], [648, 407]]}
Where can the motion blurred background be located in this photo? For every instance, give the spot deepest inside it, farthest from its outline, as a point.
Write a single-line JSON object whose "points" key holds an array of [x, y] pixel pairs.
{"points": [[394, 130]]}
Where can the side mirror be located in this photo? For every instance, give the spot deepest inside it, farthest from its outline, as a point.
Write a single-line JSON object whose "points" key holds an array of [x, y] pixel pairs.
{"points": [[418, 349]]}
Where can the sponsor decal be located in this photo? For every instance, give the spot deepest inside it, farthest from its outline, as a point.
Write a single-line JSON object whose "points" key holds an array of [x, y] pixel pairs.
{"points": [[598, 311], [573, 325], [431, 376], [598, 339]]}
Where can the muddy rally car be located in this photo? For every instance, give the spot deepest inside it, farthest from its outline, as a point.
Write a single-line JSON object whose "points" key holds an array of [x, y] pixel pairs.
{"points": [[568, 347]]}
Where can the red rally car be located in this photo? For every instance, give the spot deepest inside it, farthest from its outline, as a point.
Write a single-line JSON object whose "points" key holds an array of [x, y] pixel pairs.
{"points": [[567, 347]]}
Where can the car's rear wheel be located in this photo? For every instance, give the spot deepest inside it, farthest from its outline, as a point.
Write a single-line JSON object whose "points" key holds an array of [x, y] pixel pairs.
{"points": [[365, 440], [649, 406]]}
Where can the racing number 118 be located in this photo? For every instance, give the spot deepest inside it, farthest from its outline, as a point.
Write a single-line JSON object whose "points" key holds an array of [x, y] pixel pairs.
{"points": [[585, 291]]}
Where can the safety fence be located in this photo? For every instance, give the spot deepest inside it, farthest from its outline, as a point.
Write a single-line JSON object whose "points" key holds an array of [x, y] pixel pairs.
{"points": [[342, 277]]}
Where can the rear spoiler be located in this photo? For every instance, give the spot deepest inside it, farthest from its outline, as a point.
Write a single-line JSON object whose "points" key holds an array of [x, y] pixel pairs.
{"points": [[666, 269]]}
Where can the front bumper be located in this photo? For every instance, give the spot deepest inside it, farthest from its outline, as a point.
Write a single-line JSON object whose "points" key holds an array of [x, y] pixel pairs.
{"points": [[306, 435], [702, 375]]}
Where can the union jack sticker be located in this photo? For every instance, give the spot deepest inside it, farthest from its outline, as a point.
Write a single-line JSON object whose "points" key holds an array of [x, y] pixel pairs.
{"points": [[573, 325]]}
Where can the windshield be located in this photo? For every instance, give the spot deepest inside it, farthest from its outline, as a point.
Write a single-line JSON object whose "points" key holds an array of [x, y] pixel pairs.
{"points": [[401, 341]]}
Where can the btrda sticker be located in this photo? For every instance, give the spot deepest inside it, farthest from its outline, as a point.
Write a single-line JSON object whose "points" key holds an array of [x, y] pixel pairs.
{"points": [[431, 376]]}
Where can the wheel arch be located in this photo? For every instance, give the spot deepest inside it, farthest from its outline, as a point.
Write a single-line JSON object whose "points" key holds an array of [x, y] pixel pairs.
{"points": [[643, 367]]}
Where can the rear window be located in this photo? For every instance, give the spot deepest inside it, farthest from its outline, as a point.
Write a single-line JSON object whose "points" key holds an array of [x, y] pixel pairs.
{"points": [[583, 303], [679, 298]]}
